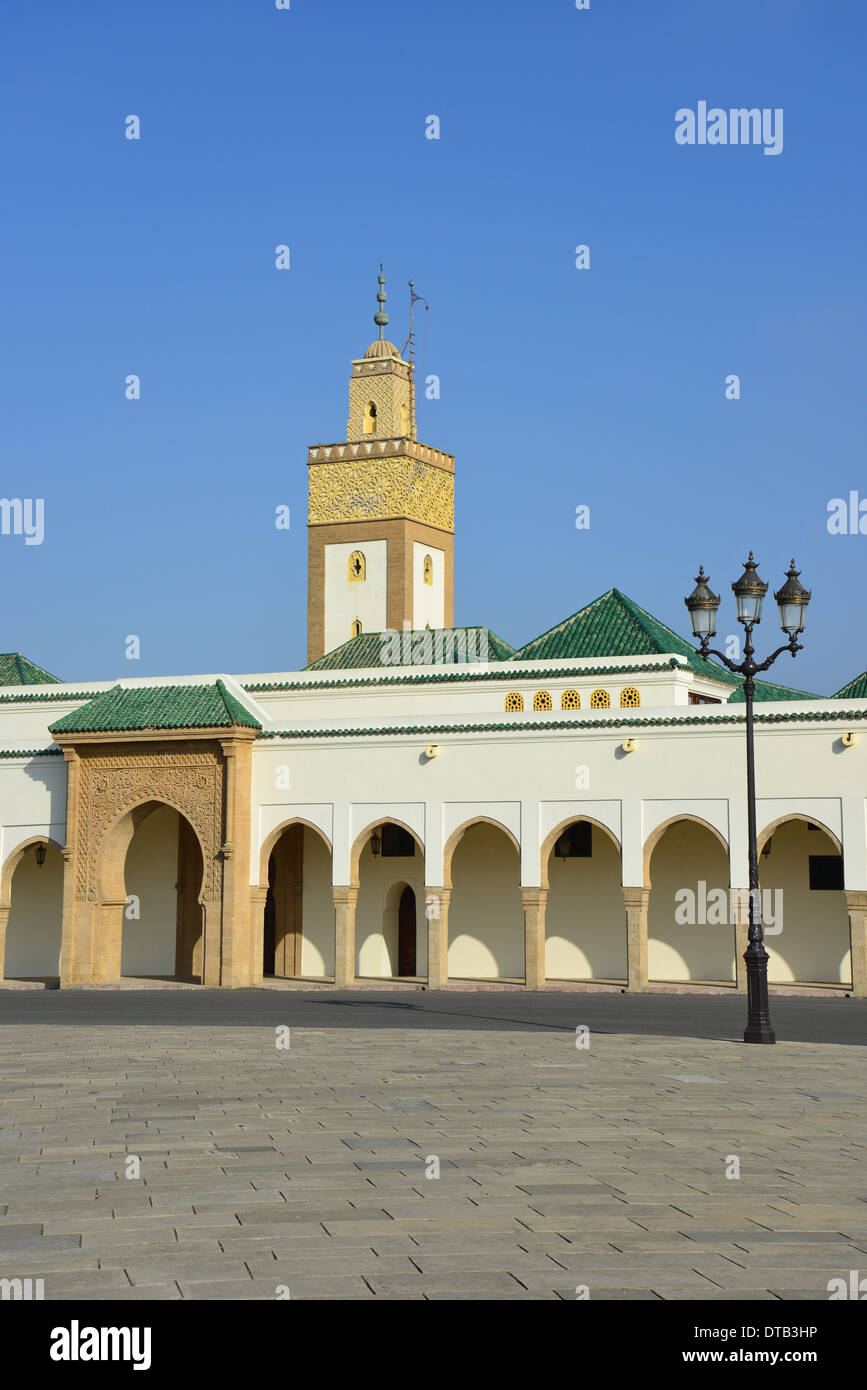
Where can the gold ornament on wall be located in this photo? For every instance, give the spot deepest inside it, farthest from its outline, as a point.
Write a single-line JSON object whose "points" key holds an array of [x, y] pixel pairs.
{"points": [[379, 489]]}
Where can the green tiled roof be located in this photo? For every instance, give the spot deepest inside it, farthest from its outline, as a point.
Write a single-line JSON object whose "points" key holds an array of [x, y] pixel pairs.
{"points": [[855, 690], [15, 669], [420, 647], [614, 625], [158, 707], [768, 690]]}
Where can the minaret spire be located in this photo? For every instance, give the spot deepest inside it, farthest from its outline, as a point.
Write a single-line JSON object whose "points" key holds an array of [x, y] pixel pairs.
{"points": [[381, 318]]}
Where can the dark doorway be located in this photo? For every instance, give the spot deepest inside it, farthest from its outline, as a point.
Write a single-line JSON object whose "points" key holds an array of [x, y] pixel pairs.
{"points": [[406, 927]]}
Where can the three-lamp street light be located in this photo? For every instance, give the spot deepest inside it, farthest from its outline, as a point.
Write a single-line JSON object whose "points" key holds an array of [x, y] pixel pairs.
{"points": [[792, 599]]}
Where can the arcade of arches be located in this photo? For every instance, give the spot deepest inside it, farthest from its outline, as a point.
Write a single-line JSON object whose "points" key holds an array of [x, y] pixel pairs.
{"points": [[155, 907]]}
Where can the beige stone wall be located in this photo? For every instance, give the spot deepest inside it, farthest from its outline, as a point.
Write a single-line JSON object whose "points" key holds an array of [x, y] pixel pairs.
{"points": [[388, 387], [360, 489], [113, 785]]}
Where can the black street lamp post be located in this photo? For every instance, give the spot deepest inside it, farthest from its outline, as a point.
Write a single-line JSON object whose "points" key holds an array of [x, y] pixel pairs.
{"points": [[702, 603]]}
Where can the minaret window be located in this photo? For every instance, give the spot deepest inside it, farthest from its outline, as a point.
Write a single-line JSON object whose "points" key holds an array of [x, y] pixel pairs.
{"points": [[370, 418], [427, 569], [356, 568], [542, 700], [356, 628], [629, 698], [570, 699], [404, 420], [600, 699], [514, 701]]}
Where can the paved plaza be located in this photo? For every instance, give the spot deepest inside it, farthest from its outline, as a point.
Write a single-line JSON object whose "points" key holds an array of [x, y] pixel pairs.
{"points": [[309, 1171]]}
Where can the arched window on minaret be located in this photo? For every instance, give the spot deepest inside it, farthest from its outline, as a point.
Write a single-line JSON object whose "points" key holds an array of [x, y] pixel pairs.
{"points": [[404, 421], [370, 418], [356, 628], [356, 567], [427, 570]]}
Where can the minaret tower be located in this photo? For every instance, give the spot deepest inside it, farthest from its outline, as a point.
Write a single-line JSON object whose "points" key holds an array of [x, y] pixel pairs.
{"points": [[380, 530]]}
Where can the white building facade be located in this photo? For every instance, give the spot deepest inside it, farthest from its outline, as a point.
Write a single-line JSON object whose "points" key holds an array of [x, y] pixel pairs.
{"points": [[427, 803]]}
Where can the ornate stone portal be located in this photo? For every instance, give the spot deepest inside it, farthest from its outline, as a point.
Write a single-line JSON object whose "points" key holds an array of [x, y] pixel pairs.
{"points": [[113, 783]]}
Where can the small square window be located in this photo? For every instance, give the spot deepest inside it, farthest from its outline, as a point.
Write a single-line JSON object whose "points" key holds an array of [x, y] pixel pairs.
{"points": [[397, 843], [576, 842], [826, 871]]}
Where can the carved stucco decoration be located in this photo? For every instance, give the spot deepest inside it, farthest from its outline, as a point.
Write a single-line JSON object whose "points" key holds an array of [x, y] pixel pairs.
{"points": [[109, 785], [378, 489]]}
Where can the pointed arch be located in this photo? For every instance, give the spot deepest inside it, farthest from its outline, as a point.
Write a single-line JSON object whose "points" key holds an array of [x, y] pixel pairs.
{"points": [[657, 833], [553, 836], [112, 850], [13, 859], [457, 835], [764, 835], [267, 847], [364, 835]]}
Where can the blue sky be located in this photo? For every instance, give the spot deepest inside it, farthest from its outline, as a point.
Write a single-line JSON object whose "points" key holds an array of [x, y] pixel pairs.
{"points": [[559, 387]]}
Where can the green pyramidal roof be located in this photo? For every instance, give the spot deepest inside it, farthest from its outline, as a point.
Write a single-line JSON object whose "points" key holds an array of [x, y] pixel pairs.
{"points": [[420, 647], [614, 625], [15, 669], [122, 710], [854, 690]]}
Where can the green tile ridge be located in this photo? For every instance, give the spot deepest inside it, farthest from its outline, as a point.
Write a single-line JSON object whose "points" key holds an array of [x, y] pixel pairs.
{"points": [[366, 650], [444, 674], [422, 730], [16, 669], [615, 625], [126, 709], [50, 695], [52, 752], [853, 690]]}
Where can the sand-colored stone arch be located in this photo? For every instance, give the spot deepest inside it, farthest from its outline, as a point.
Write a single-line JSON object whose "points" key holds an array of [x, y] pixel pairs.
{"points": [[200, 921], [657, 833], [457, 835], [764, 835], [271, 840], [364, 835], [13, 859], [112, 851], [553, 836]]}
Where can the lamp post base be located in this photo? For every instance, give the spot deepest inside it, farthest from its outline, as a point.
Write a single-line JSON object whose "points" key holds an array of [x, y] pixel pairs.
{"points": [[758, 1029], [759, 1033]]}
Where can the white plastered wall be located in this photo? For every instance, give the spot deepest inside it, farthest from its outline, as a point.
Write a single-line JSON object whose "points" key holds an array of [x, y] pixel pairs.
{"points": [[428, 600], [346, 599]]}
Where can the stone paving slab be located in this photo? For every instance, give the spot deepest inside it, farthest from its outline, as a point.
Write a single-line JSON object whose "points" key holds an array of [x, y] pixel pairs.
{"points": [[312, 1168]]}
